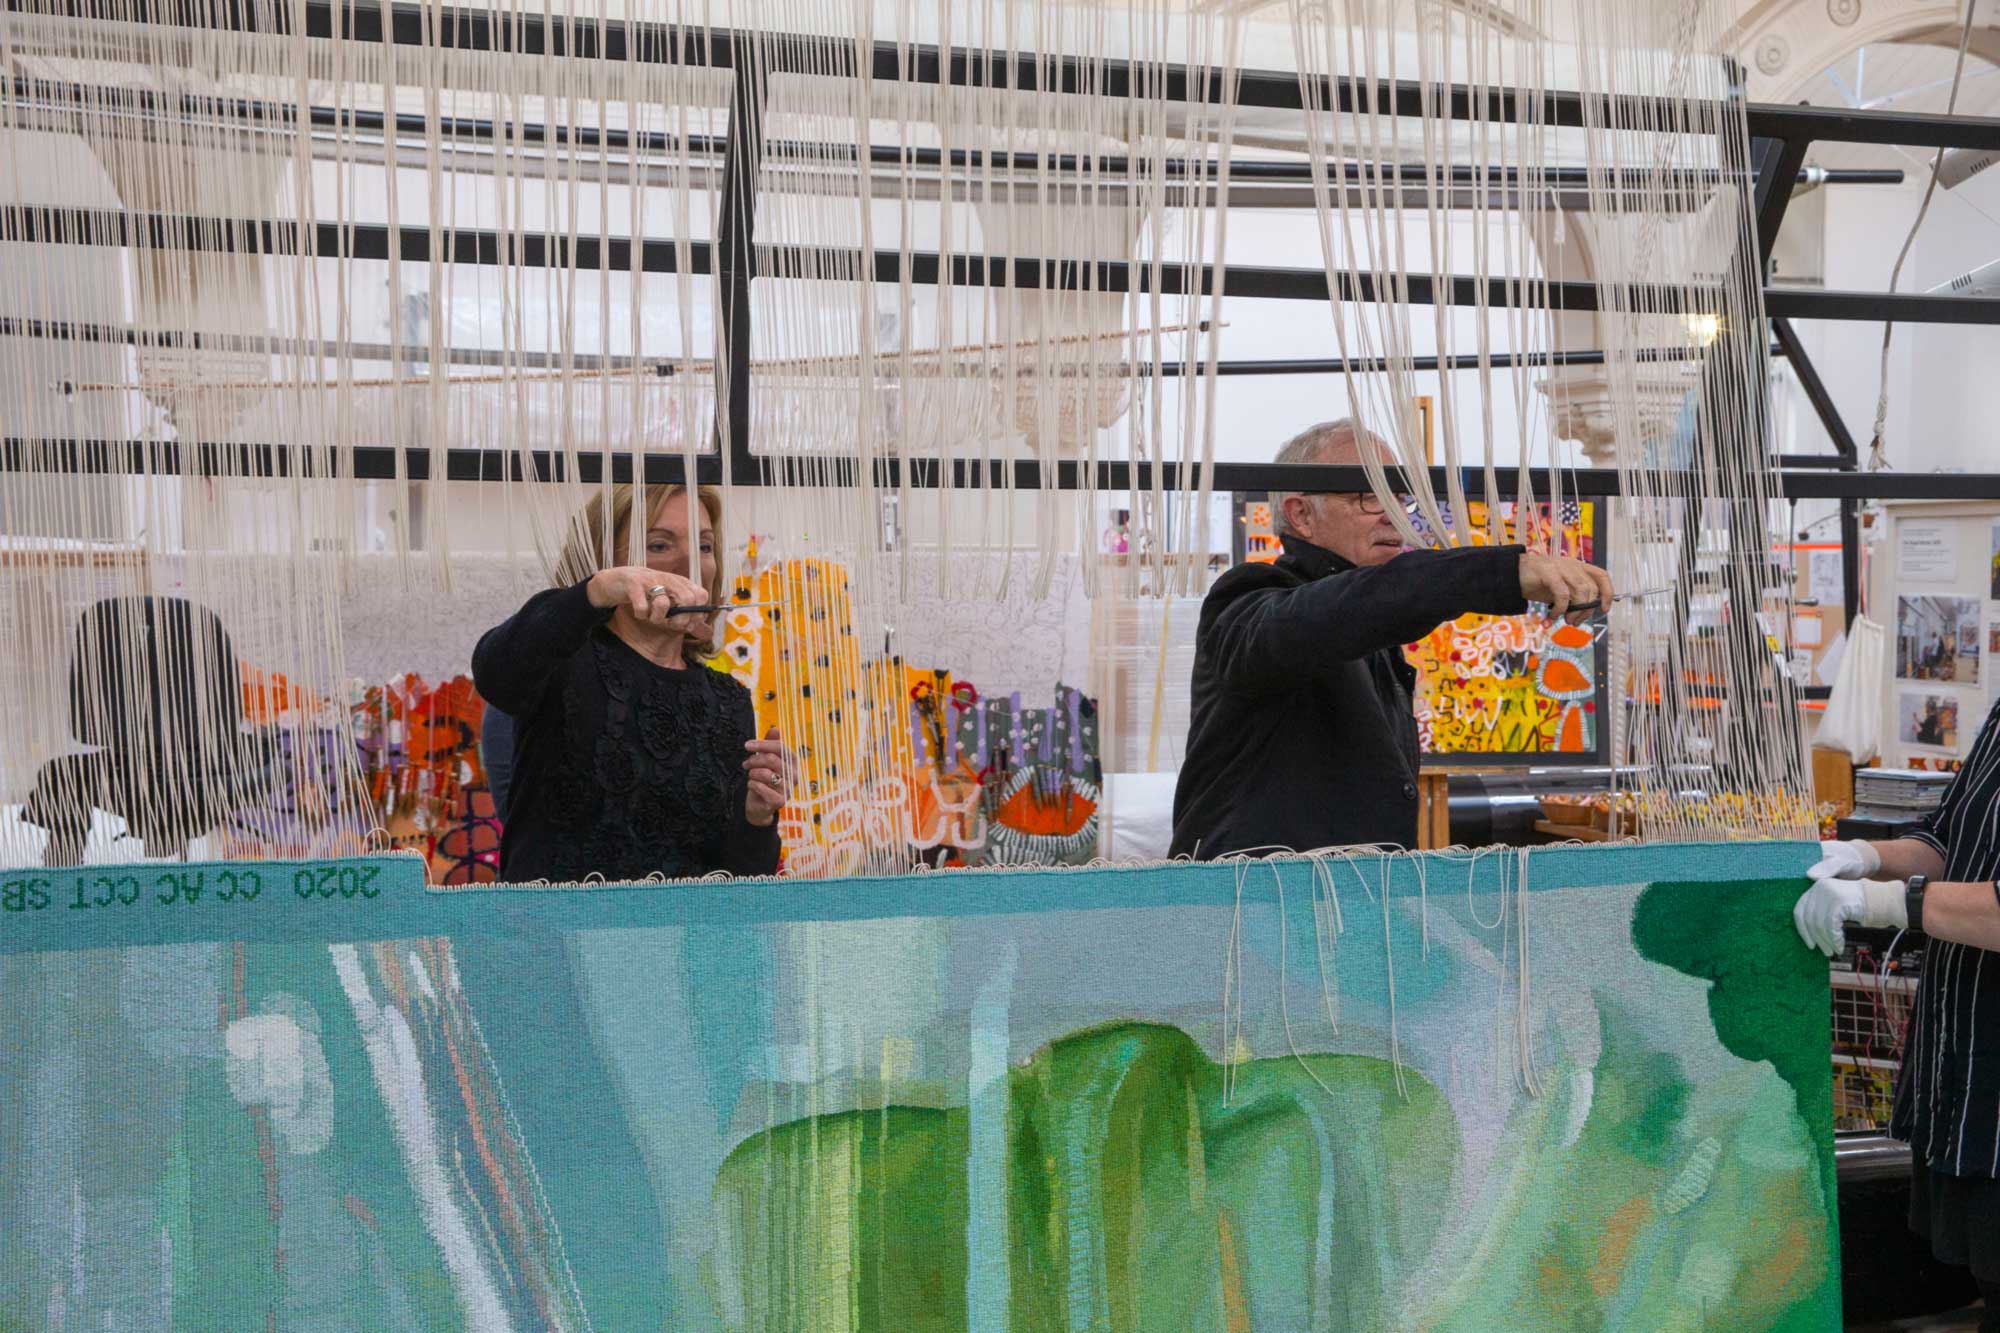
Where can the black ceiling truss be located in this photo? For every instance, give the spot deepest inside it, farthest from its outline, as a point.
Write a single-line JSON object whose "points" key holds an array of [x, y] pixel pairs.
{"points": [[19, 454], [1780, 138], [46, 103]]}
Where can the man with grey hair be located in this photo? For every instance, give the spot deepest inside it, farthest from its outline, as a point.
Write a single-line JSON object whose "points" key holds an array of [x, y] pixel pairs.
{"points": [[1302, 735]]}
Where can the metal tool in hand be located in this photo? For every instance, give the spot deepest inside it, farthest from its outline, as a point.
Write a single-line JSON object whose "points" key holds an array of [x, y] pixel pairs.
{"points": [[706, 610], [1620, 597]]}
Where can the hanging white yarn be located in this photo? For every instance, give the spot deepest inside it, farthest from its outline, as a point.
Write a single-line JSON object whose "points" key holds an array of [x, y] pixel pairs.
{"points": [[609, 354]]}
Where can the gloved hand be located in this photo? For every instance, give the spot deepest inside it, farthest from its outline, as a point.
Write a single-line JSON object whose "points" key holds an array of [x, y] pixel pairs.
{"points": [[1846, 860], [1823, 911]]}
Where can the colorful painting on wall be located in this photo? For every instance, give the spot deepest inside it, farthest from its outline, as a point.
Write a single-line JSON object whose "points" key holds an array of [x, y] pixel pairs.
{"points": [[1512, 685], [1583, 1088]]}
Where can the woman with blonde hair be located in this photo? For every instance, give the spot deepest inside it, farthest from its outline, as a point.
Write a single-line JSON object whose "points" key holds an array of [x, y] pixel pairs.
{"points": [[630, 757]]}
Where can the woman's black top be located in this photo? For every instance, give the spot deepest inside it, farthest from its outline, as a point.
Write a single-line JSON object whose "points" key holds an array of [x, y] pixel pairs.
{"points": [[622, 768], [1948, 1097]]}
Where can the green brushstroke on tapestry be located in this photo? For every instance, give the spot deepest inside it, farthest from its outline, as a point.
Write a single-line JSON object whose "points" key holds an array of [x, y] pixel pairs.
{"points": [[854, 1220], [1129, 1171], [1768, 995], [1631, 1203]]}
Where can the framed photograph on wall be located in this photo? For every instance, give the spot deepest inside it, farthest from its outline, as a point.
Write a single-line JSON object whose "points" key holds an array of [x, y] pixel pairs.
{"points": [[1927, 719], [1937, 639]]}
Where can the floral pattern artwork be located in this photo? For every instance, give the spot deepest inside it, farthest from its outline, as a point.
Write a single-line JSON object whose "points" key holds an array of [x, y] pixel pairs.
{"points": [[1511, 684]]}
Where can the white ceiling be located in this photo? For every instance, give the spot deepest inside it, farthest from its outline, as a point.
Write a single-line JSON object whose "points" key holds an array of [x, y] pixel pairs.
{"points": [[1900, 77]]}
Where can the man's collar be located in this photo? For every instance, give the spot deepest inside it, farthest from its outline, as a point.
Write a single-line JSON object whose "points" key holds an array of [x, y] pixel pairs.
{"points": [[1315, 562]]}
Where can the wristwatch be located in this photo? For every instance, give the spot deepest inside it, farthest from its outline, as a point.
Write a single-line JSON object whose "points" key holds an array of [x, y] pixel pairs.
{"points": [[1913, 902]]}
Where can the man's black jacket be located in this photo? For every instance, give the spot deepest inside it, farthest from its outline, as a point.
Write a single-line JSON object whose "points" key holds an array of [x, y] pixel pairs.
{"points": [[1302, 733]]}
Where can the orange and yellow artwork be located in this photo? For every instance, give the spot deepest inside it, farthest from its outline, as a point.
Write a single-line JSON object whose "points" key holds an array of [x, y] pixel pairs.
{"points": [[1260, 539], [1510, 684], [899, 764], [796, 652]]}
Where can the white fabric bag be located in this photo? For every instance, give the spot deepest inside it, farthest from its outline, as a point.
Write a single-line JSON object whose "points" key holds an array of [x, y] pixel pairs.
{"points": [[1852, 721]]}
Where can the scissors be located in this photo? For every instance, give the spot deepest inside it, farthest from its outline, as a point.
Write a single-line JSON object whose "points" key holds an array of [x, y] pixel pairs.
{"points": [[711, 610], [1599, 605]]}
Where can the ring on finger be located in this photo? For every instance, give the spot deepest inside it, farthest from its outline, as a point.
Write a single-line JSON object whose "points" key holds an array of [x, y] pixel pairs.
{"points": [[657, 590]]}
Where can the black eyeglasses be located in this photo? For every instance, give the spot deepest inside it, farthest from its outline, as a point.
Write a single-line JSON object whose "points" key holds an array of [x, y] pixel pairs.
{"points": [[1369, 502]]}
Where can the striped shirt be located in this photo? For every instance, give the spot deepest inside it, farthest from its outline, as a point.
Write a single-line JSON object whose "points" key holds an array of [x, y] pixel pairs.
{"points": [[1948, 1097]]}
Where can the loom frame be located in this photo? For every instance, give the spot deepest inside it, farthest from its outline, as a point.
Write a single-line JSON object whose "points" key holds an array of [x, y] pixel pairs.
{"points": [[1780, 138]]}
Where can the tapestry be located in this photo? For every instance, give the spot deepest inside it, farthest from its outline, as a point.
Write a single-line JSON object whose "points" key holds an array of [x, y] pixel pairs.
{"points": [[1576, 1088], [1512, 684]]}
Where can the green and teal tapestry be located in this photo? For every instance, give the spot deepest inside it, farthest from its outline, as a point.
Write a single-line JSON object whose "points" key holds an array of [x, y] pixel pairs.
{"points": [[1585, 1088]]}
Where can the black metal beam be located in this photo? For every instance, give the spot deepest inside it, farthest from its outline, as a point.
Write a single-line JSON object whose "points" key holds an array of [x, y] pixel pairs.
{"points": [[1876, 307], [419, 354], [54, 98], [126, 335], [1851, 176], [1770, 120], [372, 462], [1369, 365], [1891, 485], [532, 34], [736, 234], [45, 225], [31, 224], [371, 241]]}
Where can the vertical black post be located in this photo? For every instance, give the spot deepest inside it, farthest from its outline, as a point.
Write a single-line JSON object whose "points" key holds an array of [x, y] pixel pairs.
{"points": [[1239, 530], [736, 257], [1778, 162], [1844, 448], [1850, 559]]}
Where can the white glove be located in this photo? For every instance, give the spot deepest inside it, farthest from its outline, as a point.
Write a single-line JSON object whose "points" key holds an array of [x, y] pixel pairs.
{"points": [[1823, 911], [1846, 860]]}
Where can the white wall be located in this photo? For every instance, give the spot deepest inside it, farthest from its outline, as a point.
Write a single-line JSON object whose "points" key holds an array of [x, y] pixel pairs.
{"points": [[1954, 386], [1942, 381], [1860, 220]]}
